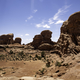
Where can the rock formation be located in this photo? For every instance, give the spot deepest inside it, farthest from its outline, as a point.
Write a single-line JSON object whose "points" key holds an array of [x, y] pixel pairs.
{"points": [[45, 46], [69, 41], [6, 39], [39, 40], [17, 40]]}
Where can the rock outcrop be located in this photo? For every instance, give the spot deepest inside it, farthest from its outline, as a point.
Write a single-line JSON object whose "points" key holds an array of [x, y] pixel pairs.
{"points": [[44, 37], [45, 46], [17, 40], [69, 41], [6, 38]]}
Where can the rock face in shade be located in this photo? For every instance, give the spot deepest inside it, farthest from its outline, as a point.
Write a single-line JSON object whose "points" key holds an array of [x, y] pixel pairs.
{"points": [[45, 46], [44, 37], [6, 38], [37, 40], [69, 41], [17, 40]]}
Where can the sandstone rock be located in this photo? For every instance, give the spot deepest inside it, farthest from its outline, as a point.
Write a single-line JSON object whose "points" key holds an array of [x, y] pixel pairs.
{"points": [[70, 35], [46, 34], [44, 37], [28, 47], [45, 46], [17, 40], [37, 40], [6, 38]]}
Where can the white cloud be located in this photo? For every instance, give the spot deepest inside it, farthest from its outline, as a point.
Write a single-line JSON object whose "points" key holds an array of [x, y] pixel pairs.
{"points": [[60, 12], [26, 34], [42, 25], [50, 21], [25, 20], [57, 15], [38, 25], [46, 26], [59, 22], [30, 17], [35, 11]]}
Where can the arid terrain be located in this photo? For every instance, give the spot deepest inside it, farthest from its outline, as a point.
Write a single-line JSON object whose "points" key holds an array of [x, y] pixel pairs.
{"points": [[43, 59]]}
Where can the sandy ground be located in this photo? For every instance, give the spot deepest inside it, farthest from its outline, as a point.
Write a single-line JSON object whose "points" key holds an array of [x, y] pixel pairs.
{"points": [[20, 68]]}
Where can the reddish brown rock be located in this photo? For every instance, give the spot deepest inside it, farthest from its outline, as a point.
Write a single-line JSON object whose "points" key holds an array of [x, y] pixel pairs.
{"points": [[70, 35], [6, 38], [37, 40], [17, 40], [45, 46], [44, 37]]}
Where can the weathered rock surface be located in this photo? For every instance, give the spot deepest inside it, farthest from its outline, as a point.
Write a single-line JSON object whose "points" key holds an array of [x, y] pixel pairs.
{"points": [[70, 35], [6, 38], [45, 46], [37, 40], [28, 78], [44, 37], [17, 40]]}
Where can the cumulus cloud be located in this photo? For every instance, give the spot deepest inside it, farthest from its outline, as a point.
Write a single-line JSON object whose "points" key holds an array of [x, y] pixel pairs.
{"points": [[46, 26], [50, 21], [38, 25], [35, 11], [43, 25], [30, 17], [59, 22], [56, 19], [26, 34]]}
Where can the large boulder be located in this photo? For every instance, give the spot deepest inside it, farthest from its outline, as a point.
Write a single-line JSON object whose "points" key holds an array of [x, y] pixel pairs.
{"points": [[70, 35], [37, 40], [46, 34], [17, 40], [6, 38], [44, 37], [45, 46]]}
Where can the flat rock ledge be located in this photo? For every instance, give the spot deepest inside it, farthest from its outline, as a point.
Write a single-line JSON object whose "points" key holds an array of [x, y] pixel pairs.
{"points": [[29, 78]]}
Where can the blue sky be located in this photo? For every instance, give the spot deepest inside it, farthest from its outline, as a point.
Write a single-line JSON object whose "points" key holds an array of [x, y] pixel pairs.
{"points": [[27, 18]]}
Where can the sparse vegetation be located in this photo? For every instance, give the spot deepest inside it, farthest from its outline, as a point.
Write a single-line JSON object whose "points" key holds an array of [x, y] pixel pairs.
{"points": [[48, 63], [4, 73], [58, 63], [66, 64], [21, 53], [42, 71], [5, 48], [1, 69], [38, 57], [2, 57], [11, 52], [35, 75], [42, 54]]}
